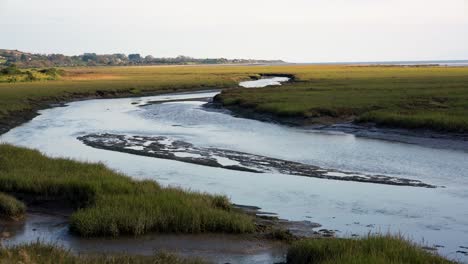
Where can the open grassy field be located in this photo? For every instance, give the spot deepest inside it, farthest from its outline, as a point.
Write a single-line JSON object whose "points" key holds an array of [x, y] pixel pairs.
{"points": [[111, 204], [409, 97], [371, 250], [38, 253]]}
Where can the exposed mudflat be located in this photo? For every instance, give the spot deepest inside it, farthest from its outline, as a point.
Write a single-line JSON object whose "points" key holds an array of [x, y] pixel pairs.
{"points": [[168, 148]]}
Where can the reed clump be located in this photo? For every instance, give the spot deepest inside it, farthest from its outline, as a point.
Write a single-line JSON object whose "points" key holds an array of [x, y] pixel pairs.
{"points": [[10, 207], [373, 249], [111, 204]]}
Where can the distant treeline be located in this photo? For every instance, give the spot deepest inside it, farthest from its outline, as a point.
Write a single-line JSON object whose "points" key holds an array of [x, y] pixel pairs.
{"points": [[23, 59]]}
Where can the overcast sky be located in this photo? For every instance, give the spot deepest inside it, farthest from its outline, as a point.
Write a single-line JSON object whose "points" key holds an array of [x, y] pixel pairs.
{"points": [[292, 30]]}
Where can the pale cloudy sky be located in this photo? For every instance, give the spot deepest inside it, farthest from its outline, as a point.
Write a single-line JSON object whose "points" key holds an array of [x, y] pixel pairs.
{"points": [[293, 30]]}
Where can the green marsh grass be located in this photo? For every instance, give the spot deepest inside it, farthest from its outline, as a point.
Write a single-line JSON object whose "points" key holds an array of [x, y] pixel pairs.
{"points": [[12, 74], [370, 250], [112, 204], [10, 207], [408, 97]]}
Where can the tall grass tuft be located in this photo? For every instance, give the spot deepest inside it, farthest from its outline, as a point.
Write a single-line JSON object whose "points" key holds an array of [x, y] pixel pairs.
{"points": [[370, 250], [10, 207], [112, 204]]}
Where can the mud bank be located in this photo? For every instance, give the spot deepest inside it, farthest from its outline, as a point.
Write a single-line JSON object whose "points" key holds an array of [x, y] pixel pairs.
{"points": [[423, 137], [169, 148]]}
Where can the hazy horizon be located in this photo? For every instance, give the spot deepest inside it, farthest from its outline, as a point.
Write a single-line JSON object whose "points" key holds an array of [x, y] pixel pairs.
{"points": [[297, 31]]}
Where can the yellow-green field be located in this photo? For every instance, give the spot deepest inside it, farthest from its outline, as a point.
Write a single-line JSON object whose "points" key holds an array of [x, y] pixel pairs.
{"points": [[411, 97]]}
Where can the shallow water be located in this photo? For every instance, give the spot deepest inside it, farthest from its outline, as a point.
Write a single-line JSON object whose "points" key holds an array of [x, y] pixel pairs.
{"points": [[263, 82], [218, 248], [437, 216]]}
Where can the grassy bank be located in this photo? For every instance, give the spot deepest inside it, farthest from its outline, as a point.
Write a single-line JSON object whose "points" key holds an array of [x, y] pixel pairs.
{"points": [[408, 97], [10, 207], [112, 81], [378, 249], [111, 204], [38, 253]]}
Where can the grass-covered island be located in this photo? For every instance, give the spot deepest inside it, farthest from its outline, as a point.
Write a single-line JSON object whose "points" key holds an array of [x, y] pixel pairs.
{"points": [[110, 204]]}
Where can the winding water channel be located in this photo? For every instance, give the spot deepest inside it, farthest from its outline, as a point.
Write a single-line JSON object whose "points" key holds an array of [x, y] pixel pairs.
{"points": [[439, 216]]}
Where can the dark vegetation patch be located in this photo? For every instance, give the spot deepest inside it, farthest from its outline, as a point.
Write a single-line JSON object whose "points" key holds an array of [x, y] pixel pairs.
{"points": [[10, 207], [12, 74]]}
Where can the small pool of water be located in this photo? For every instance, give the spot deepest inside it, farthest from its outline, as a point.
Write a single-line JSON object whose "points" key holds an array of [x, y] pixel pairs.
{"points": [[264, 82]]}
